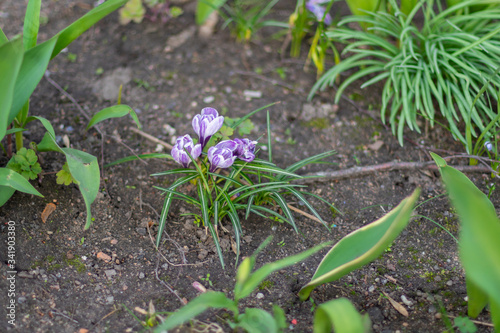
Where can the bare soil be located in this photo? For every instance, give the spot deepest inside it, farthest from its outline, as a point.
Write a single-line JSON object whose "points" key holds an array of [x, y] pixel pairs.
{"points": [[70, 279]]}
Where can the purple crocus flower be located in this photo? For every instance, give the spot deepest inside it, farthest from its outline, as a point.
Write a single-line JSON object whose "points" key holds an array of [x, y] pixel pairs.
{"points": [[207, 124], [220, 158], [245, 150], [183, 144], [316, 8]]}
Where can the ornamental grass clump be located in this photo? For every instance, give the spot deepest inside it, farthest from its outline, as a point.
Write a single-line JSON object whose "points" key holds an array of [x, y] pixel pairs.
{"points": [[230, 178], [434, 68]]}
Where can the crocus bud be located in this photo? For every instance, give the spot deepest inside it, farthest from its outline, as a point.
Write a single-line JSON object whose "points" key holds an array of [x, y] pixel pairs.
{"points": [[207, 124], [245, 150], [316, 8], [488, 145], [183, 144], [220, 158]]}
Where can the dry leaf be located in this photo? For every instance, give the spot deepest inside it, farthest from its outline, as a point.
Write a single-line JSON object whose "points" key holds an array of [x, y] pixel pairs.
{"points": [[376, 145], [400, 308], [47, 211]]}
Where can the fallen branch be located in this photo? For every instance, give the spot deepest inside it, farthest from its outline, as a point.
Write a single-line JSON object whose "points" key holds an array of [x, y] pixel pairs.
{"points": [[389, 166], [151, 138]]}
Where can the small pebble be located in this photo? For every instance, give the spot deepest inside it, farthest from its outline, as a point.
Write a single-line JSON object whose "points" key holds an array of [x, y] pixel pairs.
{"points": [[110, 299], [208, 99], [371, 289], [21, 299], [449, 283], [142, 275], [438, 315], [259, 296], [110, 273], [252, 94]]}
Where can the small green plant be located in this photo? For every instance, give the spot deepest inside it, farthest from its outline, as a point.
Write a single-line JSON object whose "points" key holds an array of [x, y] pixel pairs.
{"points": [[229, 178], [135, 11], [25, 163], [207, 279], [436, 68]]}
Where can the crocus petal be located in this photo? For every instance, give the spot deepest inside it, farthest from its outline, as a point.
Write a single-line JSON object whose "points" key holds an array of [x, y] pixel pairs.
{"points": [[220, 158], [209, 111], [207, 124], [228, 144], [183, 144]]}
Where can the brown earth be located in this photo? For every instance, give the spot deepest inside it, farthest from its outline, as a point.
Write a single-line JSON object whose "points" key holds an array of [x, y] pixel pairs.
{"points": [[71, 279]]}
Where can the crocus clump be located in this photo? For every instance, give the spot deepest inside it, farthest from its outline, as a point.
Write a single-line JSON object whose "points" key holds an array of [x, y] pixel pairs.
{"points": [[220, 156], [183, 144], [316, 8]]}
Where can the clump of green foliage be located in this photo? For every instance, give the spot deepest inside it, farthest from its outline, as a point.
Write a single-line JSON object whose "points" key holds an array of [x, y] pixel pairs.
{"points": [[432, 69]]}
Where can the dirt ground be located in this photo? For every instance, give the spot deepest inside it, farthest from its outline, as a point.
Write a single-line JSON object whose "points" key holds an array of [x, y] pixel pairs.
{"points": [[70, 279]]}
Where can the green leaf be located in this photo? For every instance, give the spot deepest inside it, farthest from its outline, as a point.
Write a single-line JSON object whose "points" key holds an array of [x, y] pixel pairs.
{"points": [[245, 288], [210, 299], [6, 193], [64, 176], [85, 170], [12, 179], [3, 38], [257, 321], [81, 25], [116, 111], [11, 58], [341, 315], [465, 325], [361, 246], [205, 7], [31, 24], [479, 246], [33, 68]]}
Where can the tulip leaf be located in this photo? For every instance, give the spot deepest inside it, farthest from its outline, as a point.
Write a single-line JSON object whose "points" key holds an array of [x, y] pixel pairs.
{"points": [[81, 25], [341, 315], [479, 246], [205, 8], [115, 111], [34, 65], [361, 246], [208, 300], [11, 57], [3, 38], [31, 24], [257, 321], [13, 180]]}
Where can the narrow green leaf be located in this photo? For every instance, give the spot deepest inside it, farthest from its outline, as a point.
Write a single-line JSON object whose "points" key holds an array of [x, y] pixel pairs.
{"points": [[163, 217], [81, 25], [31, 24], [139, 157], [361, 246], [249, 285], [208, 300], [341, 315], [282, 203], [11, 57], [115, 111], [205, 7]]}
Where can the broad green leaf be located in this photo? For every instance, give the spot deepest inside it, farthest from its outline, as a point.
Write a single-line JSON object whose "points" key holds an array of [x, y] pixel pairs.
{"points": [[12, 179], [115, 111], [479, 246], [257, 321], [45, 123], [341, 315], [48, 144], [208, 300], [245, 288], [205, 7], [11, 57], [3, 38], [465, 325], [31, 24], [6, 193], [81, 25], [33, 68], [361, 246], [477, 298], [85, 170]]}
